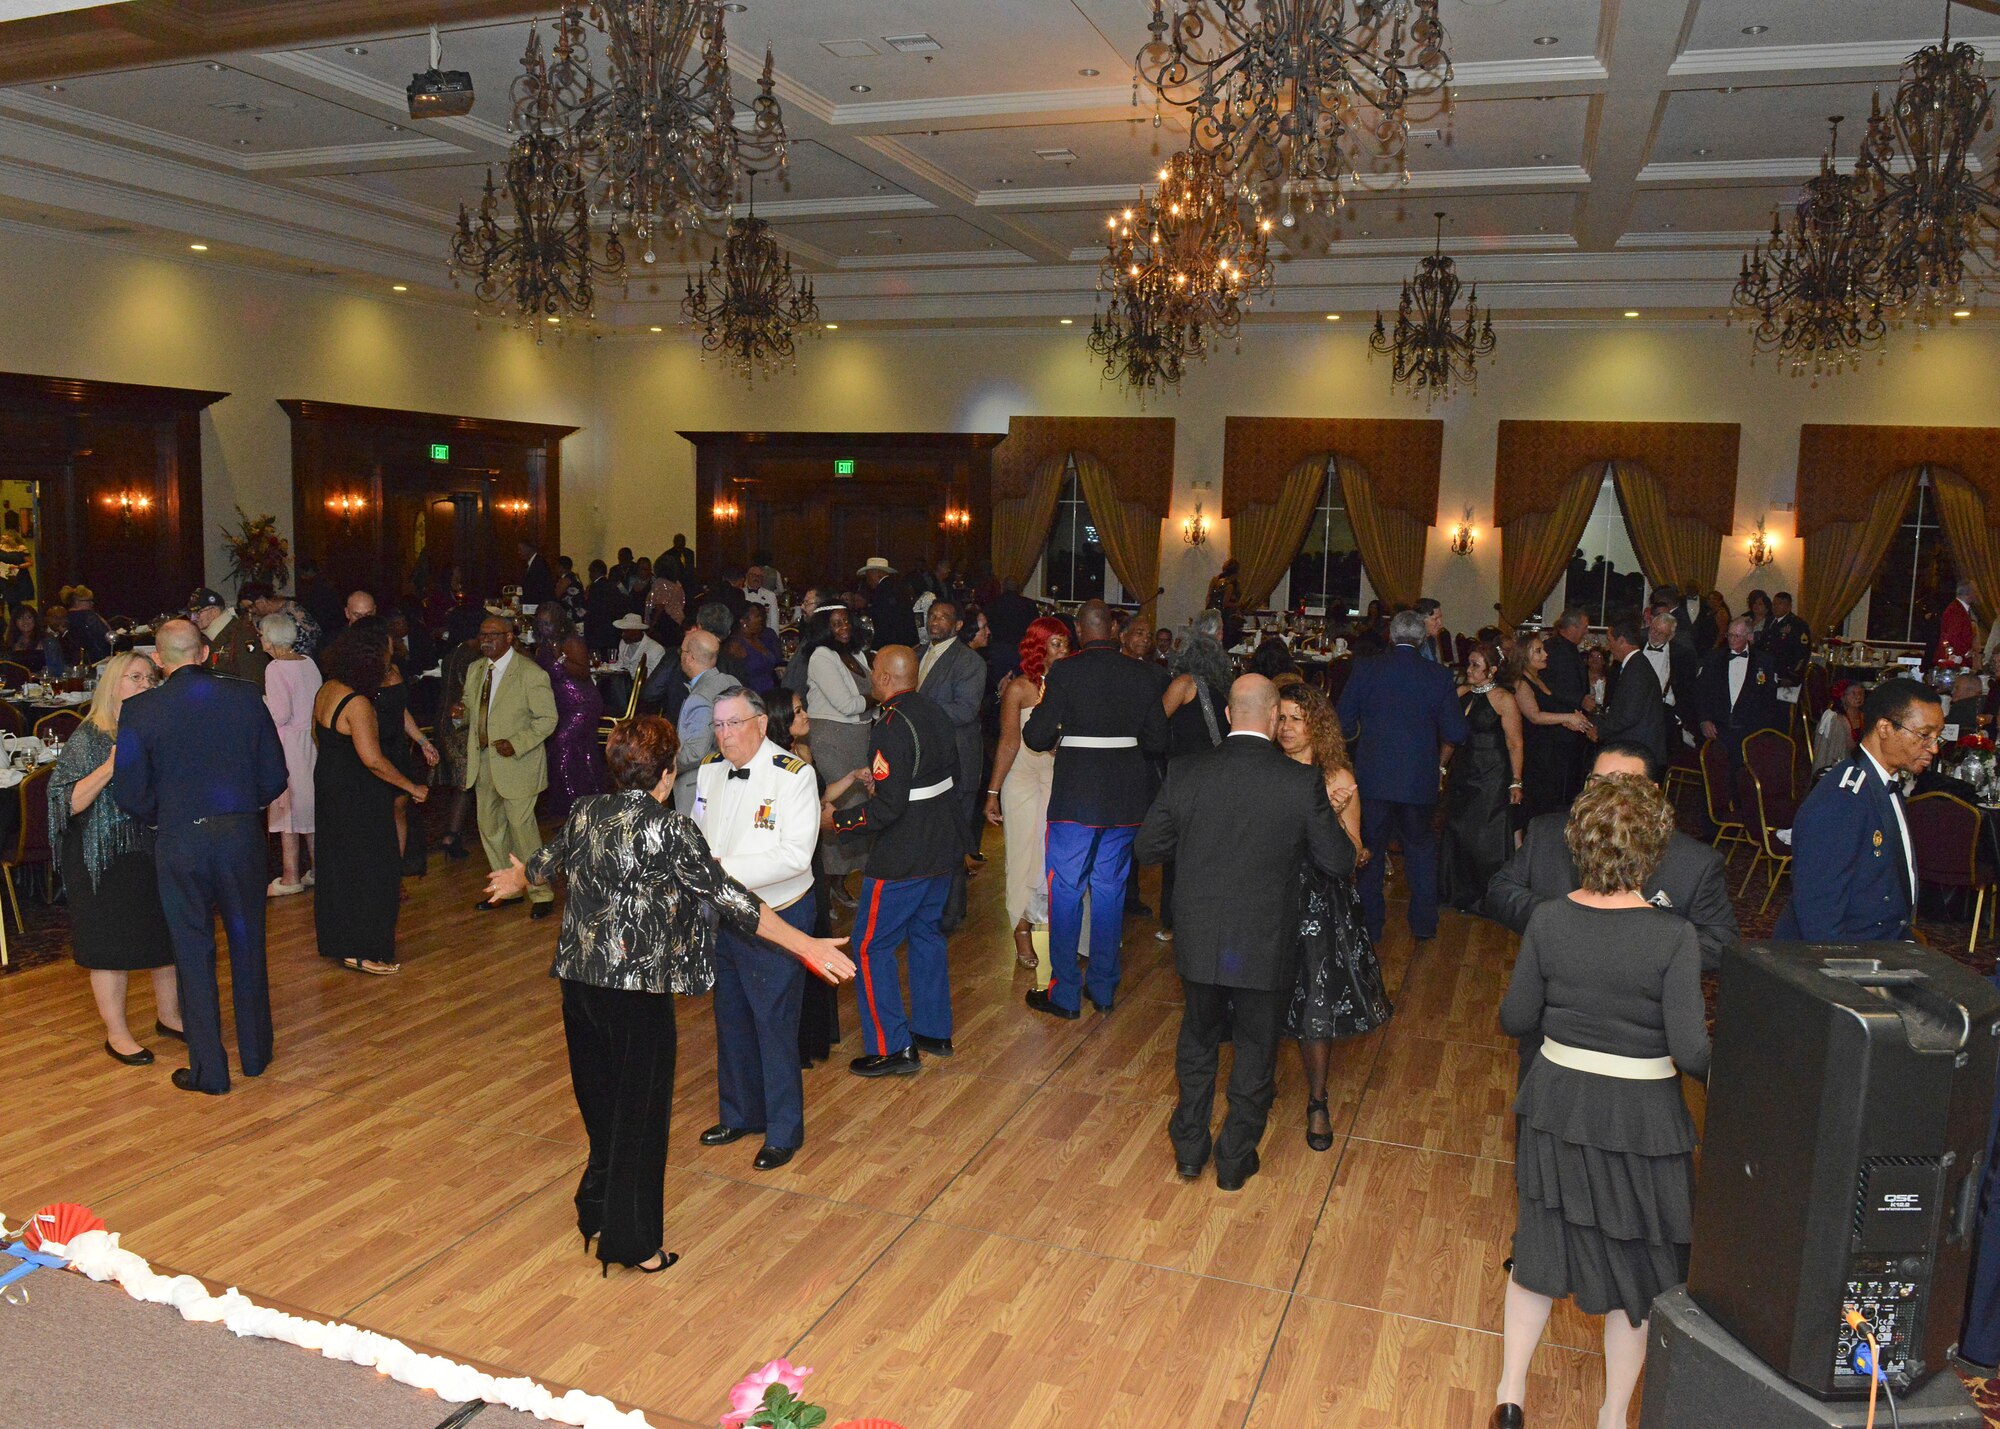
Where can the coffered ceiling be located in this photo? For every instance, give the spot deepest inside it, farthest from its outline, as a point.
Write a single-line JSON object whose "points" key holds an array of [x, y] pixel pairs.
{"points": [[1595, 155]]}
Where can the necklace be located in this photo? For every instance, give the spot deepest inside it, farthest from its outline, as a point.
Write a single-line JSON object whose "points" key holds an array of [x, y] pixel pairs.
{"points": [[1484, 689]]}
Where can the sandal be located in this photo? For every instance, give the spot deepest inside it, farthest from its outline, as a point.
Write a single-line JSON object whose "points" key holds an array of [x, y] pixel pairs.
{"points": [[372, 968], [1318, 1140], [278, 888]]}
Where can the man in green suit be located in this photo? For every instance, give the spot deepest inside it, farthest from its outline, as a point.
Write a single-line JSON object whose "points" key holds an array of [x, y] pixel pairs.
{"points": [[509, 711]]}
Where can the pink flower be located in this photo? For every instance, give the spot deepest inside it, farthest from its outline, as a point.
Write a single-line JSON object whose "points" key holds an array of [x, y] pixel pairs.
{"points": [[748, 1397]]}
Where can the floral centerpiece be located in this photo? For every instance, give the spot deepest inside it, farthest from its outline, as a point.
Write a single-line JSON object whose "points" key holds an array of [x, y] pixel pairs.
{"points": [[768, 1398], [256, 551]]}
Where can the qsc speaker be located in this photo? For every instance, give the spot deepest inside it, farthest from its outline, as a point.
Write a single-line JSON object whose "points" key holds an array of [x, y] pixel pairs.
{"points": [[1840, 1165]]}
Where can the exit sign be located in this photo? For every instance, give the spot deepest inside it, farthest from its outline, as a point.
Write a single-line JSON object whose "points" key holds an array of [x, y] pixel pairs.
{"points": [[843, 466], [440, 451]]}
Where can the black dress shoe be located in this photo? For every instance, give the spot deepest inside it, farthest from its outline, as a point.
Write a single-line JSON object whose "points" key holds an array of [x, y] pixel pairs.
{"points": [[1104, 1006], [772, 1157], [542, 910], [453, 849], [487, 905], [893, 1064], [1040, 1001], [936, 1046], [140, 1058], [1188, 1170], [1233, 1180], [165, 1031], [1507, 1416], [184, 1079], [1136, 909], [722, 1135]]}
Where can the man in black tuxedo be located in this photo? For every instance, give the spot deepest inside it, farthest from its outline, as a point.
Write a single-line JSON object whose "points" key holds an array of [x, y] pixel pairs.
{"points": [[1737, 695], [1678, 669], [1568, 679], [1634, 707], [538, 582], [1237, 820]]}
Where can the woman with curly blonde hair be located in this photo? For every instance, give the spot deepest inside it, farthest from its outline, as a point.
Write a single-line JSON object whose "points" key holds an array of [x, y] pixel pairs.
{"points": [[1603, 1169], [1339, 991]]}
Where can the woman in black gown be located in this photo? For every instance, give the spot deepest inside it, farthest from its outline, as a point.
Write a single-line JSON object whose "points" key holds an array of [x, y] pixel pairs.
{"points": [[405, 746], [1339, 992], [117, 926], [1552, 732], [355, 785], [1483, 786]]}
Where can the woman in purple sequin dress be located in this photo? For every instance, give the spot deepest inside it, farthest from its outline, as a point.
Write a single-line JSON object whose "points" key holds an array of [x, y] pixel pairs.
{"points": [[576, 762]]}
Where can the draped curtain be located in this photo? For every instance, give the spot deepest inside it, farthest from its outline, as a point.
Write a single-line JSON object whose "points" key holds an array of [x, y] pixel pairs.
{"points": [[1680, 551], [1391, 540], [1535, 546], [1130, 530], [1973, 547], [1841, 557], [1265, 536], [1021, 523]]}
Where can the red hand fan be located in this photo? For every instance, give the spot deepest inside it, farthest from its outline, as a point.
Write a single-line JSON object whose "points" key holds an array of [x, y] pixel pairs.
{"points": [[59, 1222]]}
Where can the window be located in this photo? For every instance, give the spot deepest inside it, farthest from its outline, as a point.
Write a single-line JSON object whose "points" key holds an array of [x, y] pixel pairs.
{"points": [[1327, 569], [1604, 576], [1917, 577], [1073, 567]]}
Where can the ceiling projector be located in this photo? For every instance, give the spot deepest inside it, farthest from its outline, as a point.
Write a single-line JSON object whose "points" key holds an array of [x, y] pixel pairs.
{"points": [[439, 93]]}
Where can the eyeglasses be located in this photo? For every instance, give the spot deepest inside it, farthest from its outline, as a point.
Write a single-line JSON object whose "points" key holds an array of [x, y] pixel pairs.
{"points": [[723, 726], [1928, 741]]}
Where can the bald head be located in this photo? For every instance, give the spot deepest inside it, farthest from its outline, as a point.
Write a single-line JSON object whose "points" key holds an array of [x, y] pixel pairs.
{"points": [[1253, 706], [699, 651], [1094, 622], [360, 606], [895, 671], [178, 643]]}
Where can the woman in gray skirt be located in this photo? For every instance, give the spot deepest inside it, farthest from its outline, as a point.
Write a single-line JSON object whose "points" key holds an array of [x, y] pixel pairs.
{"points": [[840, 707]]}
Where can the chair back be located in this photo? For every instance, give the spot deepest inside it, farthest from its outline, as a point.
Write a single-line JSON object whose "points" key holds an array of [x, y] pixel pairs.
{"points": [[32, 847], [1715, 786], [1336, 677], [10, 719], [638, 684], [58, 725], [1944, 837], [14, 675], [1817, 693], [1771, 755]]}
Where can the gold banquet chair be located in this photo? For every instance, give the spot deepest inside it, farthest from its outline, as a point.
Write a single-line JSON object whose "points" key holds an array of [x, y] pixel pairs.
{"points": [[610, 722]]}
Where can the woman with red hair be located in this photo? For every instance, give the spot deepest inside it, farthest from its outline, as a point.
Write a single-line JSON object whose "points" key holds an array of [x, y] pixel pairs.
{"points": [[1018, 797]]}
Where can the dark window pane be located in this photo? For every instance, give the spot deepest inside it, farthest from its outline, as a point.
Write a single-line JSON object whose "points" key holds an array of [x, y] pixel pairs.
{"points": [[1604, 576], [1327, 568], [1917, 577], [1073, 563]]}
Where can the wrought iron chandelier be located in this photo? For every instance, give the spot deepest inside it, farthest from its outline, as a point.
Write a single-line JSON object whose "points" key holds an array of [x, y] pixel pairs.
{"points": [[1434, 351], [1284, 92], [1817, 292], [1918, 158], [755, 310], [1179, 270], [545, 265]]}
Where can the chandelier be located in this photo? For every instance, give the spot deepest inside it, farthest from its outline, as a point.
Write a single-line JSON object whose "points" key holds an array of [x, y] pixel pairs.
{"points": [[544, 266], [755, 310], [1283, 92], [1434, 351], [1180, 269], [1816, 292], [1918, 160]]}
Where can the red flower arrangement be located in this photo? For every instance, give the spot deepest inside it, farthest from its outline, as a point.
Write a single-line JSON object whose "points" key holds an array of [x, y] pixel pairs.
{"points": [[1981, 742], [256, 551]]}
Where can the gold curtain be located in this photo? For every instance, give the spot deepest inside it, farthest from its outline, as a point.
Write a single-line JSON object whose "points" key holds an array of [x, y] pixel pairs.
{"points": [[1535, 547], [1972, 543], [1391, 540], [1265, 536], [1130, 530], [1021, 523], [1840, 558], [1679, 551]]}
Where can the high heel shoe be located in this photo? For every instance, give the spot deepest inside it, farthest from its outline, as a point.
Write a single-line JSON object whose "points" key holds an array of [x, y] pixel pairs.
{"points": [[667, 1258], [1318, 1140], [1507, 1416], [588, 1237]]}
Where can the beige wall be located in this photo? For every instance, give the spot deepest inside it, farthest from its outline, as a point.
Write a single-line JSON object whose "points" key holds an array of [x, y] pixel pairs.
{"points": [[1603, 369], [81, 309]]}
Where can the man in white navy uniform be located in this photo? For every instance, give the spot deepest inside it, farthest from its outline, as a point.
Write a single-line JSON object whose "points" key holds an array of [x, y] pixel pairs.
{"points": [[758, 807]]}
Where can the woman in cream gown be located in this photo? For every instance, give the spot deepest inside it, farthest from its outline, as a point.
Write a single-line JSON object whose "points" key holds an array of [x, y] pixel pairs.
{"points": [[1018, 798]]}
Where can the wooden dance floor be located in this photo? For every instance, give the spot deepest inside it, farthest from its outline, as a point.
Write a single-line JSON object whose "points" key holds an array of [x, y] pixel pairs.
{"points": [[998, 1241]]}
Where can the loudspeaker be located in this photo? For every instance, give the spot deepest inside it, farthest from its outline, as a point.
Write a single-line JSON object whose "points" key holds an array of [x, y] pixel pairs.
{"points": [[1840, 1167]]}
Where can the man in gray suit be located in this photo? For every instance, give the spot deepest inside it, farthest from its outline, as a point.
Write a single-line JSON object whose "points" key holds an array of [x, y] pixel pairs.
{"points": [[953, 677], [706, 684]]}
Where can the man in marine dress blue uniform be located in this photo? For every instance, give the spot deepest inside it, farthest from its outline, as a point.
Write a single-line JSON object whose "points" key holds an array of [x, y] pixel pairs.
{"points": [[1102, 715], [1853, 871], [919, 844], [199, 760]]}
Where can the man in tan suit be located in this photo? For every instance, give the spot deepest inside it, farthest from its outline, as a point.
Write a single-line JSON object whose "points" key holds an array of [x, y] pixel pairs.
{"points": [[509, 710]]}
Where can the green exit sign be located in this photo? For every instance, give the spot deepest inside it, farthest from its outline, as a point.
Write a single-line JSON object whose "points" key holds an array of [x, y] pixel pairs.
{"points": [[440, 451], [843, 466]]}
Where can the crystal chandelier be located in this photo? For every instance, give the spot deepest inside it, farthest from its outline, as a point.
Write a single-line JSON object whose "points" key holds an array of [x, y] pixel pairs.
{"points": [[755, 309], [1179, 270], [544, 266], [1434, 351], [1284, 92], [1816, 292], [1918, 160]]}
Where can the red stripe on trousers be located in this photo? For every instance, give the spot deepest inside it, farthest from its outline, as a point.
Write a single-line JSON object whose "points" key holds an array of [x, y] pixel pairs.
{"points": [[867, 982]]}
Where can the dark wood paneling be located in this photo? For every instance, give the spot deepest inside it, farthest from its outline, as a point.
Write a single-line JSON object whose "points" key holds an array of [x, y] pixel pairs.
{"points": [[381, 457], [85, 444], [818, 525]]}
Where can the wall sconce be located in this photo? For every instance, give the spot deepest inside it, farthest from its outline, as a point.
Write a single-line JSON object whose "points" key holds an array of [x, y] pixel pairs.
{"points": [[957, 520], [347, 506], [129, 505], [1762, 547], [1463, 535], [726, 509], [1194, 527], [513, 506]]}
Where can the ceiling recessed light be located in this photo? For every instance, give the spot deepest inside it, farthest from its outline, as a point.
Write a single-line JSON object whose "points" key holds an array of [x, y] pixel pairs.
{"points": [[860, 88], [1703, 153], [734, 7], [553, 320], [399, 287], [1631, 312], [55, 88], [1366, 232], [1667, 224], [214, 66], [1066, 322], [1727, 89], [1961, 312], [1755, 29], [351, 49], [1541, 228], [198, 247], [393, 128], [1333, 317], [1545, 157], [655, 329], [833, 327], [1088, 73], [243, 143], [1546, 40]]}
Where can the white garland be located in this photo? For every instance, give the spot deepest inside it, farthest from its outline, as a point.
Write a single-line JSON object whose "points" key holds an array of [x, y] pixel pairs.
{"points": [[98, 1255]]}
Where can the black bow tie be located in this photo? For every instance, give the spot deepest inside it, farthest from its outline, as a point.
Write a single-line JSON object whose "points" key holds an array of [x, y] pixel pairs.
{"points": [[1660, 648], [743, 773], [1739, 654]]}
